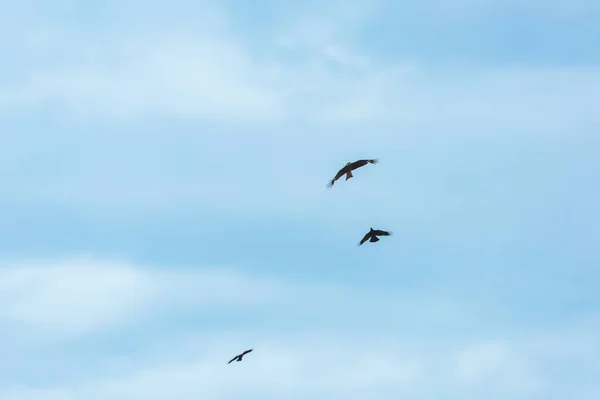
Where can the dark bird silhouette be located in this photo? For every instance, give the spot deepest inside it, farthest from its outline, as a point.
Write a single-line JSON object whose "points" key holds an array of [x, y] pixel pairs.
{"points": [[348, 168], [239, 357], [371, 236]]}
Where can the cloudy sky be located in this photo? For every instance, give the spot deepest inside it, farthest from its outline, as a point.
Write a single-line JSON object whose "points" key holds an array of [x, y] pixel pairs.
{"points": [[163, 203]]}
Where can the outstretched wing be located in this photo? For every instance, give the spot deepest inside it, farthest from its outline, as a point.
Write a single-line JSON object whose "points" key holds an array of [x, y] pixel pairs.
{"points": [[362, 163], [246, 352], [367, 236], [233, 359], [340, 173], [381, 233]]}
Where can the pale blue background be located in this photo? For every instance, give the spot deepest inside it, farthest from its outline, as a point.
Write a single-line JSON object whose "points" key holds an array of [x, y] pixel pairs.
{"points": [[163, 169]]}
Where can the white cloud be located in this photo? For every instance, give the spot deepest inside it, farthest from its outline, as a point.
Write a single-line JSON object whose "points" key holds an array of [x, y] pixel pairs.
{"points": [[294, 366], [73, 295], [323, 364], [481, 361], [176, 76], [83, 295], [270, 372], [496, 364], [481, 102], [213, 73], [315, 358], [80, 295]]}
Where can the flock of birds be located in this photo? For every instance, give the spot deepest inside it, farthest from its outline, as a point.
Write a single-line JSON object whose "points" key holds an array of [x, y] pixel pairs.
{"points": [[371, 236]]}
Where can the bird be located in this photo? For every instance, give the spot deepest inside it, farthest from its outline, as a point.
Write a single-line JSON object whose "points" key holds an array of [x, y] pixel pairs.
{"points": [[348, 168], [372, 235], [239, 357]]}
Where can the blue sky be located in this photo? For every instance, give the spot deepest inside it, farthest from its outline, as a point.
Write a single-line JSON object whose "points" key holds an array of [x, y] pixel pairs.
{"points": [[164, 164]]}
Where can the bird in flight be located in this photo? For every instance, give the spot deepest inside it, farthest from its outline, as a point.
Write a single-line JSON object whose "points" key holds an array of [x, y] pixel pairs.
{"points": [[348, 168], [239, 357], [371, 236]]}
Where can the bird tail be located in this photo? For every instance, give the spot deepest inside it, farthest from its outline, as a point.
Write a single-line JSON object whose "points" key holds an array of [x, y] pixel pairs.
{"points": [[349, 175], [374, 239]]}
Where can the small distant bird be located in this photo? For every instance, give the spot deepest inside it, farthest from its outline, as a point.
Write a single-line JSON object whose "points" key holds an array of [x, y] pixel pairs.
{"points": [[372, 235], [348, 168], [239, 357]]}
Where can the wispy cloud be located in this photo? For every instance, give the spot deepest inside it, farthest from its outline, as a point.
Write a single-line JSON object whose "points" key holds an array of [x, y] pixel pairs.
{"points": [[82, 295], [169, 77], [211, 73], [186, 77], [497, 364], [77, 296], [328, 363]]}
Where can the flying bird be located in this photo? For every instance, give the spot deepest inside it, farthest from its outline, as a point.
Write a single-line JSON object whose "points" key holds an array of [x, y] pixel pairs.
{"points": [[371, 236], [239, 357], [348, 168]]}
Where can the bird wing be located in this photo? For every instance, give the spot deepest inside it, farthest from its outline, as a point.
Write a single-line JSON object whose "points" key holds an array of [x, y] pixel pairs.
{"points": [[230, 361], [365, 238], [381, 233], [362, 163], [246, 352], [340, 173], [358, 164]]}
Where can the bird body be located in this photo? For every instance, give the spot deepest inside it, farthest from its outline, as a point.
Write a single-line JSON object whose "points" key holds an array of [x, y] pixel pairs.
{"points": [[371, 236], [239, 357], [348, 168]]}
